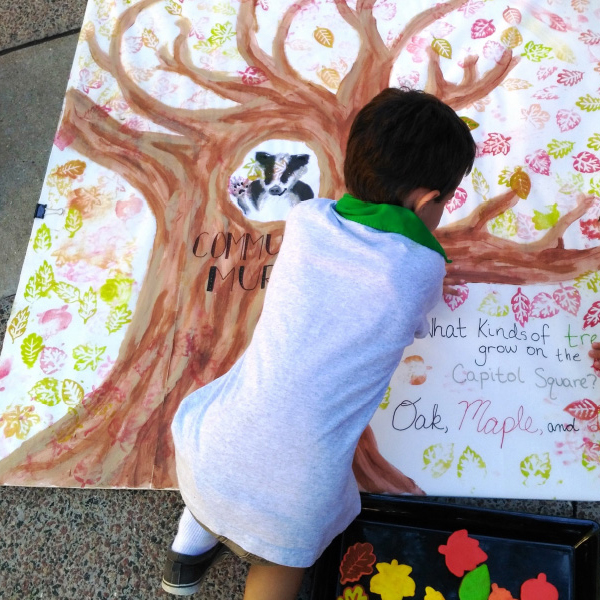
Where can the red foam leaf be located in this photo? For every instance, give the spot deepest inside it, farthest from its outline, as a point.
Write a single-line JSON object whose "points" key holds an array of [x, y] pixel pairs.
{"points": [[568, 298], [592, 316], [462, 553], [538, 589], [358, 561], [521, 306], [583, 410]]}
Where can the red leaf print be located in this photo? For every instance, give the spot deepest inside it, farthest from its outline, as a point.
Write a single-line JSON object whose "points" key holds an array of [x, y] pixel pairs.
{"points": [[521, 306], [586, 162], [5, 366], [589, 37], [546, 93], [543, 306], [545, 72], [470, 7], [462, 553], [570, 78], [539, 162], [358, 561], [454, 301], [568, 298], [592, 316], [482, 28], [496, 144], [512, 16], [590, 228], [556, 22], [460, 197], [253, 76], [583, 410], [567, 119]]}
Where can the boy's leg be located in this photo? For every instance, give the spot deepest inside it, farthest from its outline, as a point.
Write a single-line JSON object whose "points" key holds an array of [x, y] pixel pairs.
{"points": [[192, 538], [273, 583]]}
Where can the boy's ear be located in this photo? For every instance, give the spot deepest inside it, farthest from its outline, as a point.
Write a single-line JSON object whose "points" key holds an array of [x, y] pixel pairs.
{"points": [[423, 200]]}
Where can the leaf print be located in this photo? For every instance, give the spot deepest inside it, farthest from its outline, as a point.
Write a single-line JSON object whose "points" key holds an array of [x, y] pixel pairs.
{"points": [[224, 8], [560, 149], [512, 15], [442, 47], [253, 76], [73, 222], [31, 291], [592, 316], [521, 306], [482, 28], [31, 348], [568, 298], [118, 317], [88, 357], [46, 391], [490, 305], [536, 469], [505, 176], [505, 224], [470, 123], [470, 464], [586, 162], [480, 185], [44, 279], [515, 84], [459, 198], [72, 169], [546, 93], [330, 77], [536, 116], [546, 220], [569, 78], [583, 410], [545, 72], [494, 51], [470, 7], [149, 39], [589, 38], [590, 228], [43, 239], [18, 325], [543, 306], [496, 143], [591, 279], [525, 227], [511, 37], [580, 5], [67, 292], [453, 301], [588, 103], [539, 162], [520, 183], [72, 393], [52, 360], [594, 142], [88, 305], [590, 457], [567, 119], [324, 36], [536, 52], [386, 399], [357, 562], [18, 421], [253, 170], [438, 459], [221, 33]]}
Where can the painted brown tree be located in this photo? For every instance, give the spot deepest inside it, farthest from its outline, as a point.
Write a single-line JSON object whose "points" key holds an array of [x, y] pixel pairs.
{"points": [[182, 336]]}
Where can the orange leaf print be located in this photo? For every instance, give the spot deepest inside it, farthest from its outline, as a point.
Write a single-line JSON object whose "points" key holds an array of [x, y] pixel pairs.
{"points": [[520, 183], [324, 36], [331, 78], [358, 561], [73, 169]]}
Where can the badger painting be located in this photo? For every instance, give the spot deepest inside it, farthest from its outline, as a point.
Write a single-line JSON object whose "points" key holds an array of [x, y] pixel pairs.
{"points": [[278, 189]]}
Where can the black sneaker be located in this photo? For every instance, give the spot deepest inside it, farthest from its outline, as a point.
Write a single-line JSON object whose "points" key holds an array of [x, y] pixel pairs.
{"points": [[183, 574]]}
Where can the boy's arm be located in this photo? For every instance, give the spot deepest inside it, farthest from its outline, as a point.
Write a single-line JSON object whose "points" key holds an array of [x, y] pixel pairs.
{"points": [[595, 354]]}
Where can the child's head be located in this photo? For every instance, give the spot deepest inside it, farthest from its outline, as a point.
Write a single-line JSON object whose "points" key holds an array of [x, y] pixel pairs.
{"points": [[406, 140]]}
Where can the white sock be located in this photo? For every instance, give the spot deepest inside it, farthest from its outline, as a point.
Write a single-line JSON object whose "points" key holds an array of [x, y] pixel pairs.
{"points": [[192, 539]]}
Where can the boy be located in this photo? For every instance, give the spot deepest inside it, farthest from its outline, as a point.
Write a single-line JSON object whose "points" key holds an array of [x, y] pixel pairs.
{"points": [[264, 453]]}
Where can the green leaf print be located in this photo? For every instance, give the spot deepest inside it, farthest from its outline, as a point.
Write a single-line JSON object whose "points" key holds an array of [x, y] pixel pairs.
{"points": [[594, 187], [31, 292], [490, 305], [594, 142], [386, 399], [44, 279], [475, 585], [470, 463], [45, 391], [560, 149], [118, 317], [253, 170], [438, 459], [224, 8], [18, 325], [43, 239], [221, 33], [67, 292], [588, 103], [547, 220], [73, 222], [71, 393], [116, 290], [31, 347], [88, 305], [591, 280], [480, 185], [505, 175], [536, 52], [536, 469], [88, 357], [505, 224]]}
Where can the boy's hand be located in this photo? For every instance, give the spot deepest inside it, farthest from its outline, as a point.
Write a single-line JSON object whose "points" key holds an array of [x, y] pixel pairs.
{"points": [[595, 354]]}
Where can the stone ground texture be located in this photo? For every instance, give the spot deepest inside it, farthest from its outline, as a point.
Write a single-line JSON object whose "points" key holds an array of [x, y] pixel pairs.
{"points": [[89, 543]]}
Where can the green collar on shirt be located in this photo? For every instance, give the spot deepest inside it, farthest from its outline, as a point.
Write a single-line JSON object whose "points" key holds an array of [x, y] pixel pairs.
{"points": [[388, 217]]}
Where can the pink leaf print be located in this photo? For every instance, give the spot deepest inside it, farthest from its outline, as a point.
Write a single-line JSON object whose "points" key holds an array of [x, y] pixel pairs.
{"points": [[589, 37], [384, 11], [545, 72], [470, 7], [482, 28], [493, 50], [63, 138], [567, 119], [570, 78], [442, 28], [253, 76], [460, 197], [521, 306], [86, 82], [586, 162], [551, 19], [512, 16], [410, 81], [582, 410], [543, 306], [416, 47], [525, 227], [134, 43], [264, 4], [496, 144], [568, 298], [590, 228], [52, 360], [5, 366], [592, 316], [592, 450], [539, 162], [535, 115], [453, 301], [546, 93]]}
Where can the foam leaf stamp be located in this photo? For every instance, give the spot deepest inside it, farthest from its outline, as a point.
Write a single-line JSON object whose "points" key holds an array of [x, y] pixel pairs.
{"points": [[67, 292], [470, 464], [521, 307], [536, 469], [480, 184], [520, 183], [538, 589], [393, 581], [324, 36], [490, 305], [45, 391], [18, 325], [546, 220], [536, 52], [358, 561], [88, 305], [356, 592], [511, 37], [52, 360], [499, 593], [438, 459], [431, 594], [453, 301], [462, 553], [88, 357], [442, 47], [568, 298], [73, 221], [31, 348], [592, 316], [560, 149], [43, 239], [543, 306], [475, 585], [586, 162], [71, 392], [588, 103]]}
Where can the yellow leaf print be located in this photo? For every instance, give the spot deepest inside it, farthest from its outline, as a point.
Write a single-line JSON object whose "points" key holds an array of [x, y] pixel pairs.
{"points": [[331, 78], [393, 581], [324, 36], [431, 594], [19, 421]]}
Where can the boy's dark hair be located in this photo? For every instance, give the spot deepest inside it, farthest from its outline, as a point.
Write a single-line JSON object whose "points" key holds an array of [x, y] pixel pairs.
{"points": [[403, 140]]}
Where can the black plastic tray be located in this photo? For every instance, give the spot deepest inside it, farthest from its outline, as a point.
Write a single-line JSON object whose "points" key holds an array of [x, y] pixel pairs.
{"points": [[519, 547]]}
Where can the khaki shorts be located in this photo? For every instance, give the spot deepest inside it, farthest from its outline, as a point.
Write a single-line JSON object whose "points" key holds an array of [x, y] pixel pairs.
{"points": [[238, 550]]}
